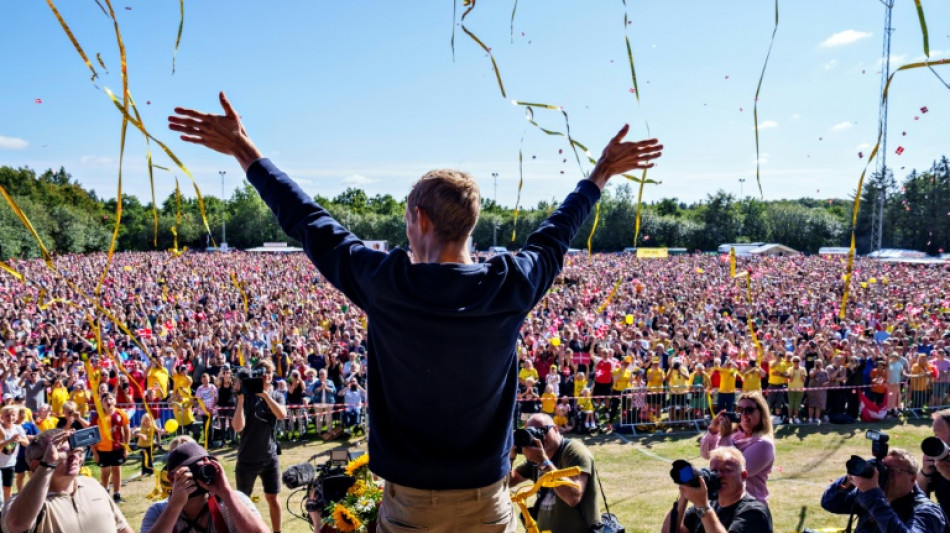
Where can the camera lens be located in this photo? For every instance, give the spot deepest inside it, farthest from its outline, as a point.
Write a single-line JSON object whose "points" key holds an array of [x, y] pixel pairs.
{"points": [[204, 473], [934, 447]]}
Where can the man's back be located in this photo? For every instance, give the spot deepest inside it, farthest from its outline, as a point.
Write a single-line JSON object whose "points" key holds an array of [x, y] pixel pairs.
{"points": [[441, 337]]}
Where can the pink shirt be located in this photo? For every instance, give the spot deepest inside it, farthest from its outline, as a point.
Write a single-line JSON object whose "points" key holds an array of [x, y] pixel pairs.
{"points": [[759, 454]]}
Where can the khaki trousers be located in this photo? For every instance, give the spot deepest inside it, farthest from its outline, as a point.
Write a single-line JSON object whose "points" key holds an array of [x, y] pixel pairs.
{"points": [[483, 510]]}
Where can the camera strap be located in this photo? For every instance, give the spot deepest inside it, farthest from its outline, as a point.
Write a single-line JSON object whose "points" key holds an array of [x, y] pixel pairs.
{"points": [[220, 526]]}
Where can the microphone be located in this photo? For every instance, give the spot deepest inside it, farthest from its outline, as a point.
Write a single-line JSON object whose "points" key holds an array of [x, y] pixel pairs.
{"points": [[299, 475]]}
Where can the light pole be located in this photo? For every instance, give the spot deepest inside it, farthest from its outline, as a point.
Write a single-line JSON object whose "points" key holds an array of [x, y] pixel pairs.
{"points": [[741, 182], [494, 224], [224, 215]]}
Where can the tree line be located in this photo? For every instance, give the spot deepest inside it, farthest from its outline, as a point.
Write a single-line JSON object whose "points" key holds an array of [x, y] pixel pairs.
{"points": [[71, 219]]}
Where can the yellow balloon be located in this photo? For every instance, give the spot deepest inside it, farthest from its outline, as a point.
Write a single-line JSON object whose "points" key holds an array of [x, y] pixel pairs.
{"points": [[864, 285], [555, 342], [628, 319], [884, 281], [171, 425], [872, 281]]}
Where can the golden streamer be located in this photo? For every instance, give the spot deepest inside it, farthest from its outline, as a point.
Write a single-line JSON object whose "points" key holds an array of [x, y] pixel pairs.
{"points": [[10, 269], [72, 39], [857, 196], [101, 63], [471, 6], [551, 480], [174, 250], [513, 10], [610, 295], [29, 226], [755, 105], [732, 262], [748, 315], [923, 27], [633, 71], [590, 238], [151, 182], [240, 289], [201, 404], [118, 213], [181, 24]]}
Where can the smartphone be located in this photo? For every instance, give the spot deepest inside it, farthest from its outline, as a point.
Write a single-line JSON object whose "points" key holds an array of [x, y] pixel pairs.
{"points": [[84, 438]]}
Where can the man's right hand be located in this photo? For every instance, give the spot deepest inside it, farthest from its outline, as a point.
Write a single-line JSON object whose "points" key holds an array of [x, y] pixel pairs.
{"points": [[619, 157], [183, 485], [53, 453], [222, 133]]}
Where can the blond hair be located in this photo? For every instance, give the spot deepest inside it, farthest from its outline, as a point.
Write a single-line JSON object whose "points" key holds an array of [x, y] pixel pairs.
{"points": [[451, 200], [728, 454], [15, 409], [764, 428]]}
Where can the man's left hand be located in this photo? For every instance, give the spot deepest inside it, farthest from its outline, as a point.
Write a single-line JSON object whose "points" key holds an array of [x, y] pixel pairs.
{"points": [[698, 496], [865, 484]]}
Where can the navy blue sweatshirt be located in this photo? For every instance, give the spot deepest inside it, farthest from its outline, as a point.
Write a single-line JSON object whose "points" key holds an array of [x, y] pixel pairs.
{"points": [[442, 370]]}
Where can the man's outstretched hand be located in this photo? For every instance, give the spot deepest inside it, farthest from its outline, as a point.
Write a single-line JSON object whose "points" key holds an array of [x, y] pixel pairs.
{"points": [[222, 133], [620, 157]]}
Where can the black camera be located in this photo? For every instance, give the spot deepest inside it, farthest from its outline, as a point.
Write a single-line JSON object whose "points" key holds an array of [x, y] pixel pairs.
{"points": [[325, 483], [858, 466], [935, 448], [204, 473], [84, 438], [524, 437], [684, 473], [252, 381], [732, 416]]}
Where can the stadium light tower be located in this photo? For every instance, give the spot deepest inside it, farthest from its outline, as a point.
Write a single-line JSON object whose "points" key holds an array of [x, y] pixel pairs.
{"points": [[877, 213], [741, 183]]}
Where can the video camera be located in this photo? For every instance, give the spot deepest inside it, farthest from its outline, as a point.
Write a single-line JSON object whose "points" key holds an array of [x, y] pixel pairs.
{"points": [[684, 473], [858, 466], [324, 484], [252, 381], [524, 437]]}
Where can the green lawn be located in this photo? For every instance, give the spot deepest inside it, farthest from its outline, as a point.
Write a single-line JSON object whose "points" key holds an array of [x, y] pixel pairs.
{"points": [[635, 472]]}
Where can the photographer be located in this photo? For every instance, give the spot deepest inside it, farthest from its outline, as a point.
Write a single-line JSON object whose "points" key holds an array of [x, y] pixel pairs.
{"points": [[934, 475], [562, 509], [753, 437], [732, 510], [255, 417], [898, 505], [57, 498], [195, 503]]}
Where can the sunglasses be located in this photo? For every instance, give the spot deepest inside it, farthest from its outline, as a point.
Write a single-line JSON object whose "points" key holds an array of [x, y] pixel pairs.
{"points": [[748, 410]]}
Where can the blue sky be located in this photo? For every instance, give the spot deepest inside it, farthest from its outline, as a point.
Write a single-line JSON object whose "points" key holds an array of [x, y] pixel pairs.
{"points": [[367, 94]]}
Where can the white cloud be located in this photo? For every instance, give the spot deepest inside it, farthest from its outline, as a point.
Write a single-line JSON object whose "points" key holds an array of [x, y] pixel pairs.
{"points": [[862, 146], [844, 37], [95, 160], [763, 160], [796, 116], [358, 180], [12, 143], [767, 124], [896, 60], [830, 65], [841, 126]]}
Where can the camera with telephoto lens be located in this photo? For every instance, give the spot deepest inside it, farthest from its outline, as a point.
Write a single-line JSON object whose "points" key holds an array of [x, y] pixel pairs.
{"points": [[84, 438], [524, 437], [858, 466], [252, 381], [935, 448], [684, 473]]}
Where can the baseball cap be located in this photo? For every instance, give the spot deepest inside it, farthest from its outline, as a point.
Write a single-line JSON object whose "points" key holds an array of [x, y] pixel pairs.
{"points": [[186, 454], [7, 396]]}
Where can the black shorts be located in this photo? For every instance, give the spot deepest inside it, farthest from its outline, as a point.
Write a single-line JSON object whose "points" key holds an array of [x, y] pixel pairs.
{"points": [[7, 474], [113, 458], [246, 474], [21, 466]]}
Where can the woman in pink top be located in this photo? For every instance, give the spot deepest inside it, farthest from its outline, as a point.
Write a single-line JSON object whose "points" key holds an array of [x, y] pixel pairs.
{"points": [[753, 437]]}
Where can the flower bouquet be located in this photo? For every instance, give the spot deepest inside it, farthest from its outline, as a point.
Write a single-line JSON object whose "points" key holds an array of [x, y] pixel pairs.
{"points": [[357, 511]]}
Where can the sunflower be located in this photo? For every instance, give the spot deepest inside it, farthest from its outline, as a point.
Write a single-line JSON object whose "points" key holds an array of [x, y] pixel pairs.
{"points": [[344, 519], [356, 464], [358, 488]]}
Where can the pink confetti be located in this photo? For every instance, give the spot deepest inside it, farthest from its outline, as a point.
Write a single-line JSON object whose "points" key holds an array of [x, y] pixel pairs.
{"points": [[740, 110], [632, 90], [127, 8], [560, 151], [629, 22], [534, 157], [860, 155], [899, 151], [522, 34], [148, 102], [924, 109], [940, 250], [727, 76], [564, 161], [562, 172], [38, 100], [780, 470], [904, 133], [916, 117], [646, 237]]}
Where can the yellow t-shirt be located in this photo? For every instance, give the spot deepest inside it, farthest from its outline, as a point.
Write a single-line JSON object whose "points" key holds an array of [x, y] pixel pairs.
{"points": [[48, 423], [727, 379], [158, 376], [526, 373], [146, 438], [752, 381], [81, 398], [777, 373], [182, 384], [57, 397], [622, 377], [797, 378], [560, 420], [679, 381], [655, 378], [184, 414], [918, 384], [585, 404], [548, 402], [579, 385]]}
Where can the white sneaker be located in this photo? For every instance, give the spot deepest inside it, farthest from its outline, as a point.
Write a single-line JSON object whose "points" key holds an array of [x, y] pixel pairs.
{"points": [[797, 421]]}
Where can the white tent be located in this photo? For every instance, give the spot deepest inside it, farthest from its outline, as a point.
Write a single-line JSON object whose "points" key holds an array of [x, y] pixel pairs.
{"points": [[774, 250]]}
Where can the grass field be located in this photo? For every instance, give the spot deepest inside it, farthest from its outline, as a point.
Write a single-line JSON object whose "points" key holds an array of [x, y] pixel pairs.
{"points": [[635, 472]]}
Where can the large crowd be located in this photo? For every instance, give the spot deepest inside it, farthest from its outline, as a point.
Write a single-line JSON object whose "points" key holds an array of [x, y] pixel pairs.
{"points": [[617, 341]]}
